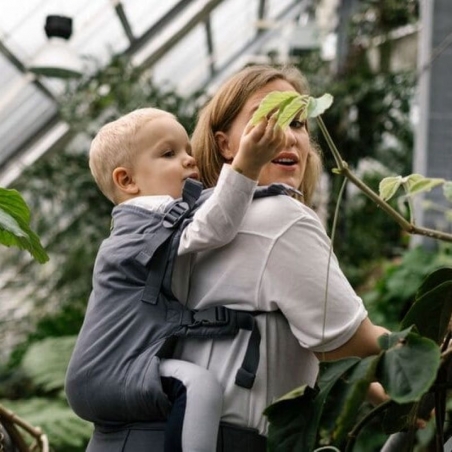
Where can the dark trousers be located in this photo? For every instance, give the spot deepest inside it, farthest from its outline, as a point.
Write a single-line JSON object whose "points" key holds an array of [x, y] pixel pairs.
{"points": [[149, 437]]}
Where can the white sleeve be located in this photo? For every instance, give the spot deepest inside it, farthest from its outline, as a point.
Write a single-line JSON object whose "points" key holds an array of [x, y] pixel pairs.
{"points": [[295, 281], [217, 221]]}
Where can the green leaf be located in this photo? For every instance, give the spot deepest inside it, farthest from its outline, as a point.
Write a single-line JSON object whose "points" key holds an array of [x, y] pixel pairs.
{"points": [[358, 378], [387, 341], [416, 183], [316, 106], [294, 419], [432, 309], [389, 186], [408, 369], [289, 104], [272, 101], [46, 361], [289, 111], [14, 225]]}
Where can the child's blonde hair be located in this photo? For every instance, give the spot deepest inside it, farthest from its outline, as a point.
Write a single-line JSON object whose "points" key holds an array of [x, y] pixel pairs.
{"points": [[114, 146]]}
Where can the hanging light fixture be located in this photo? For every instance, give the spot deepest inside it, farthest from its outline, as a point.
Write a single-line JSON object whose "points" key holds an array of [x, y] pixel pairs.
{"points": [[57, 59]]}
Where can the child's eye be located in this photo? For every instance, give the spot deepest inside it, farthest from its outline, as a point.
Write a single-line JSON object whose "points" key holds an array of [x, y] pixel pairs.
{"points": [[169, 153], [297, 124]]}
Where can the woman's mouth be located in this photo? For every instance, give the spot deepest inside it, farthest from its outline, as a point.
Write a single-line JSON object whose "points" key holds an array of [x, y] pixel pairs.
{"points": [[285, 161]]}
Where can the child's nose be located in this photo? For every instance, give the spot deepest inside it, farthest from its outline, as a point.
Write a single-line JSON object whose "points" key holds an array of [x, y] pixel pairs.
{"points": [[190, 161]]}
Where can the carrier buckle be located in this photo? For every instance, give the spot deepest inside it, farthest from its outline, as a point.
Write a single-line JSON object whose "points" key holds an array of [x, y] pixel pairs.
{"points": [[175, 214], [217, 315]]}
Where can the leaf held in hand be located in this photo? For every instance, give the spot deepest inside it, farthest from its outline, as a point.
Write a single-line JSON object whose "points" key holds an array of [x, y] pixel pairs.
{"points": [[316, 106], [272, 101], [289, 104]]}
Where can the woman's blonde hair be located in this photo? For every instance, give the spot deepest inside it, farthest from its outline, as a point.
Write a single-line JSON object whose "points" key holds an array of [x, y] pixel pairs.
{"points": [[114, 146], [221, 110]]}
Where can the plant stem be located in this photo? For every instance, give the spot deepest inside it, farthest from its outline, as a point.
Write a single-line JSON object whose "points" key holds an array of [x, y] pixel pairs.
{"points": [[36, 433], [342, 168]]}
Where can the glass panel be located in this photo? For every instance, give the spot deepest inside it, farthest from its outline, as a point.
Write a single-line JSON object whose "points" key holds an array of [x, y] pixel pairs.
{"points": [[233, 25], [26, 114], [181, 66], [142, 14]]}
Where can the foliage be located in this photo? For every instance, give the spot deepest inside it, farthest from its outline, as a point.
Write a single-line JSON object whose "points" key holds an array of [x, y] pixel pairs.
{"points": [[393, 291], [407, 367], [15, 225]]}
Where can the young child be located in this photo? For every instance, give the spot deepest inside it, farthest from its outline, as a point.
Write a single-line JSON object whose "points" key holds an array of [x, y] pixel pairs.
{"points": [[140, 162]]}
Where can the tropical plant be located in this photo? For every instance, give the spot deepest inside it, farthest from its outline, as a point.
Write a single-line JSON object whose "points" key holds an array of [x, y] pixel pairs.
{"points": [[414, 362], [15, 230]]}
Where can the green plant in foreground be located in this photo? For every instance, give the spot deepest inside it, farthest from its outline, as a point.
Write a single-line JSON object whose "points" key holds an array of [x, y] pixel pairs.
{"points": [[413, 362], [15, 225]]}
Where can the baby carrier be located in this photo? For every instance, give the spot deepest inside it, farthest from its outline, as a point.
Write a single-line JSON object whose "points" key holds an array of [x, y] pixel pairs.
{"points": [[133, 319]]}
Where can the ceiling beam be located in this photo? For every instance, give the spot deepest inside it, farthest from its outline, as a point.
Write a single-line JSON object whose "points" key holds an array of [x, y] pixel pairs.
{"points": [[153, 31], [210, 46], [181, 33], [119, 9]]}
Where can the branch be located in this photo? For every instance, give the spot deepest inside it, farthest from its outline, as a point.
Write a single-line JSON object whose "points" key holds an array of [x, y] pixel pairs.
{"points": [[13, 420], [343, 169]]}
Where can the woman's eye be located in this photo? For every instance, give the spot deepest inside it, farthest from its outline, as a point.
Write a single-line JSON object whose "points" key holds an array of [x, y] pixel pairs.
{"points": [[297, 124]]}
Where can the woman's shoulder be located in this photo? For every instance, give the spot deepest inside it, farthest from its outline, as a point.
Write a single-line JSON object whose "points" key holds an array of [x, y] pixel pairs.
{"points": [[278, 213]]}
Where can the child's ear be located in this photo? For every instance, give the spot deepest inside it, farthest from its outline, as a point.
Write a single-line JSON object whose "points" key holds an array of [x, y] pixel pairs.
{"points": [[124, 181], [223, 144]]}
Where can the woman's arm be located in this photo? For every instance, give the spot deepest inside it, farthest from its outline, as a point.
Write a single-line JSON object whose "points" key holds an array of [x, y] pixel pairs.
{"points": [[363, 343]]}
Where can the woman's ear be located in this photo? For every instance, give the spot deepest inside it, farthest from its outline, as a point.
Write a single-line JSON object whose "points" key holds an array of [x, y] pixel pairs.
{"points": [[223, 144], [124, 181]]}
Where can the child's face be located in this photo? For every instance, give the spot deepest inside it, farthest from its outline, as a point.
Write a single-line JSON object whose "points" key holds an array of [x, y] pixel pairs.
{"points": [[163, 159]]}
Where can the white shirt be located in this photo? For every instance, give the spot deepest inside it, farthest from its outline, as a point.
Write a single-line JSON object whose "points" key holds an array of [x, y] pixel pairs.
{"points": [[278, 262]]}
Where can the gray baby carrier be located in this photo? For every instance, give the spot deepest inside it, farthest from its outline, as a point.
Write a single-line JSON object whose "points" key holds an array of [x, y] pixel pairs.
{"points": [[133, 319]]}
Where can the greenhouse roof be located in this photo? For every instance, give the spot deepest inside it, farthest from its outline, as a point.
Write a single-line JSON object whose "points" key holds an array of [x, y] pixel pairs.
{"points": [[188, 43]]}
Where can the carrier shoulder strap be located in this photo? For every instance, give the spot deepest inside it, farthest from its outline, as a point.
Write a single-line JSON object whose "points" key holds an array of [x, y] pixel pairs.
{"points": [[176, 212]]}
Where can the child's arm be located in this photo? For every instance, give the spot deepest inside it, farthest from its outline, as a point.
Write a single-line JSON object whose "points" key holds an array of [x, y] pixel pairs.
{"points": [[217, 221]]}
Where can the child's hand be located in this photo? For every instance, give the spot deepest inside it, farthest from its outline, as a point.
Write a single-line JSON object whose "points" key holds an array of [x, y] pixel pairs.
{"points": [[259, 145]]}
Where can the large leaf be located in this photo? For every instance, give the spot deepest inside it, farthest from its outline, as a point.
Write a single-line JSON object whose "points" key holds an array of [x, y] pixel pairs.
{"points": [[290, 104], [273, 101], [409, 365], [432, 309], [291, 110], [15, 225], [46, 361], [358, 378], [294, 419]]}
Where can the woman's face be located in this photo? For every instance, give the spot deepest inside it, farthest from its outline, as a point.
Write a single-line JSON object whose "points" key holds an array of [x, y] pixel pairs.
{"points": [[290, 164]]}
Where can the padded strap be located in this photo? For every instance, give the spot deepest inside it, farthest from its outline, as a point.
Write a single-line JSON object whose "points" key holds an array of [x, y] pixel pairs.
{"points": [[178, 210], [275, 189], [247, 373], [156, 273]]}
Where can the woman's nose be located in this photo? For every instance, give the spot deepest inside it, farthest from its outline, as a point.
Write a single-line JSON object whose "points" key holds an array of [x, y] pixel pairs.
{"points": [[291, 139]]}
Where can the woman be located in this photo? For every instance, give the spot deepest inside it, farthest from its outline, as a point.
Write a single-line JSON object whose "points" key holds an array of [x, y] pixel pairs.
{"points": [[278, 263]]}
